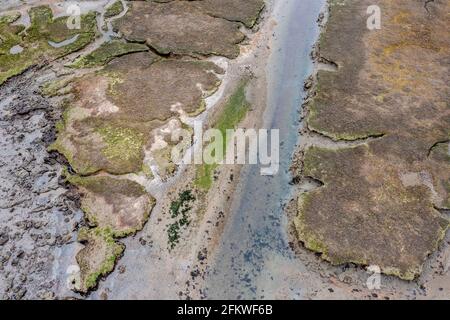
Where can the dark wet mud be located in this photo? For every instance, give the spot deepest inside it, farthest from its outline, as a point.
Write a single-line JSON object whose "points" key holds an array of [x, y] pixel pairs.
{"points": [[38, 214]]}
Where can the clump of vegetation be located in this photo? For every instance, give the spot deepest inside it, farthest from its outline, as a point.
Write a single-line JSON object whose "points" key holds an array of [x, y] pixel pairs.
{"points": [[107, 52], [98, 257], [233, 113], [173, 234], [179, 210], [115, 9]]}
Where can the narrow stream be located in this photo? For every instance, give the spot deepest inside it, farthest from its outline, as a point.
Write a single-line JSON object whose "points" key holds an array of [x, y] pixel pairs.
{"points": [[254, 259]]}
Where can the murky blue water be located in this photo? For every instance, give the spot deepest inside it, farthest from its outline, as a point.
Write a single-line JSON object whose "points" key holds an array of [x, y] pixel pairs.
{"points": [[64, 43], [254, 256]]}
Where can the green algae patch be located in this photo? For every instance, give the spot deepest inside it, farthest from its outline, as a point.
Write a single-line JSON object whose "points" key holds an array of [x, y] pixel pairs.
{"points": [[98, 257], [107, 52], [113, 10], [10, 64], [204, 176], [57, 87], [233, 113], [9, 33], [123, 145], [35, 40]]}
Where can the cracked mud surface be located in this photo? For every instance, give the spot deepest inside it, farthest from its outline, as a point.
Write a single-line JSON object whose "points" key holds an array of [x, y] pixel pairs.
{"points": [[391, 84]]}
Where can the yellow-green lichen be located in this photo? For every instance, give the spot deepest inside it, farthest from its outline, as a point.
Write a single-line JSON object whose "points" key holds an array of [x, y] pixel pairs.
{"points": [[114, 79], [122, 144], [57, 87], [163, 159], [147, 171]]}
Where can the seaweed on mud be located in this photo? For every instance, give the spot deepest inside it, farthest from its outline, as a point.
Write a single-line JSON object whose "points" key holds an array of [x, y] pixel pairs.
{"points": [[179, 210]]}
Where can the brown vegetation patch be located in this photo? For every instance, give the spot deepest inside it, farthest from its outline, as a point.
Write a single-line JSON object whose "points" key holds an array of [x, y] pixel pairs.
{"points": [[377, 204], [179, 27]]}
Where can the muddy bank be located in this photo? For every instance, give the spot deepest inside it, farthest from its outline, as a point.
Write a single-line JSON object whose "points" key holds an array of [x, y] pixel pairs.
{"points": [[38, 213]]}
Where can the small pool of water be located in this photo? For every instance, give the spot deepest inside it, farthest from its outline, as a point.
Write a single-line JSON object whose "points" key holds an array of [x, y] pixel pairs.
{"points": [[64, 43], [16, 49]]}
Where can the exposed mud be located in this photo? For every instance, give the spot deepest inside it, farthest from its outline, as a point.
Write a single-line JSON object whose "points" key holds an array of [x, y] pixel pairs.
{"points": [[38, 214]]}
